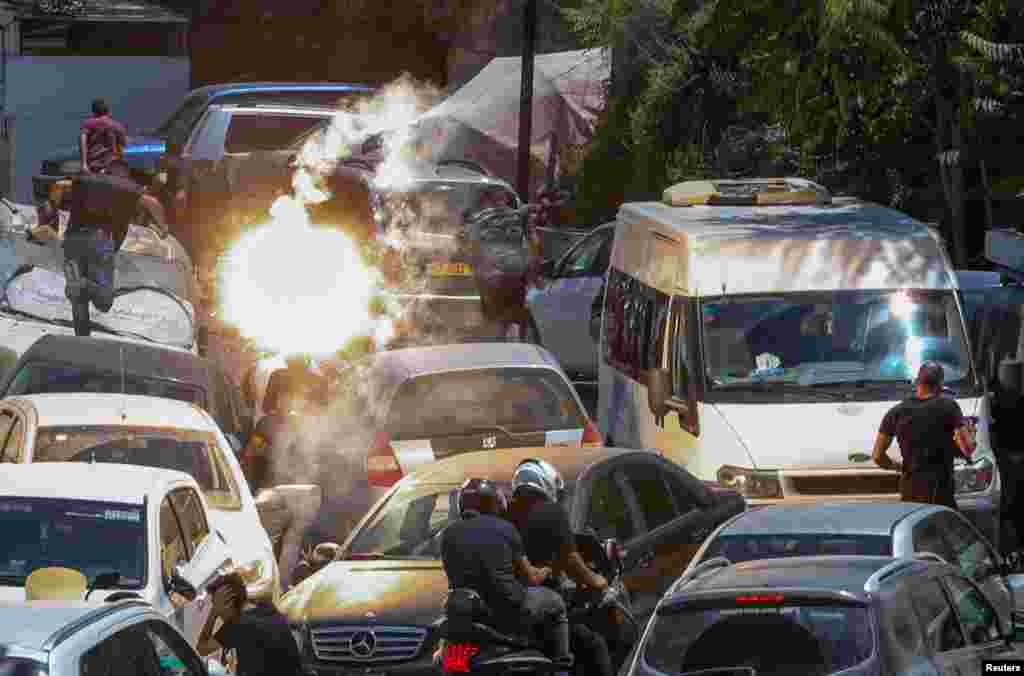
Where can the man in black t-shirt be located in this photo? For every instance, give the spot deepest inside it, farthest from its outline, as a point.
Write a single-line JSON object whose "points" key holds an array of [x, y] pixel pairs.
{"points": [[484, 552], [101, 207], [258, 635], [931, 431], [549, 541]]}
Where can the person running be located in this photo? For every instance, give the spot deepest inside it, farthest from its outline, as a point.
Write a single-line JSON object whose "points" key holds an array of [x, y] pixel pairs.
{"points": [[102, 206], [101, 140], [931, 431]]}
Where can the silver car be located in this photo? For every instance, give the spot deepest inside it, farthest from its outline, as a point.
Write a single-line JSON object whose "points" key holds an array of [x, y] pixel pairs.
{"points": [[47, 638], [900, 529]]}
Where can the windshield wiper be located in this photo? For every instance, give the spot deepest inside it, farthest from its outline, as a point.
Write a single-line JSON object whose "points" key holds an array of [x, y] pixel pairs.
{"points": [[788, 388]]}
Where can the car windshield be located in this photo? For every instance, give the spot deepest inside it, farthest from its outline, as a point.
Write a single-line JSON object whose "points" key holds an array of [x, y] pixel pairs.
{"points": [[90, 537], [812, 339], [151, 314], [435, 207], [54, 377], [190, 451], [810, 640], [176, 128], [20, 666], [409, 524], [748, 547], [512, 400]]}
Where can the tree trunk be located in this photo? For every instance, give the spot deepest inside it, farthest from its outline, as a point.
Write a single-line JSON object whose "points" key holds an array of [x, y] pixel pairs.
{"points": [[987, 188], [951, 174]]}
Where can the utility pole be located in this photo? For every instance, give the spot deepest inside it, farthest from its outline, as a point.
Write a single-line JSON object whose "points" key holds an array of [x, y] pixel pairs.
{"points": [[526, 98]]}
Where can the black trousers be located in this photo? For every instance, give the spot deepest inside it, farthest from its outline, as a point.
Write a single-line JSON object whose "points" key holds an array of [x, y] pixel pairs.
{"points": [[591, 651]]}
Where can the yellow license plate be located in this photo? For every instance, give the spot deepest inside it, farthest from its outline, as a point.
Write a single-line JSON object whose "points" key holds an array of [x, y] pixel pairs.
{"points": [[450, 270]]}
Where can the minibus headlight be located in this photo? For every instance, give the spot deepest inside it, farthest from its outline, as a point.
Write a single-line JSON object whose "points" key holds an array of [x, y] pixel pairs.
{"points": [[750, 483], [973, 478]]}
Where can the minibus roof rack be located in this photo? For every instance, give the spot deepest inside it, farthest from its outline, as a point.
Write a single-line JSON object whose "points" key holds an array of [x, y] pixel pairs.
{"points": [[748, 192]]}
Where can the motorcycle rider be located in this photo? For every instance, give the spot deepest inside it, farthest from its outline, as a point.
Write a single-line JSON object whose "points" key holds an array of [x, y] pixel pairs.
{"points": [[537, 489], [483, 552]]}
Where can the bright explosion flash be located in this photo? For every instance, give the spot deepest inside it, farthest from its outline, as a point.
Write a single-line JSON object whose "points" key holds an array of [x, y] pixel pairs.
{"points": [[295, 288]]}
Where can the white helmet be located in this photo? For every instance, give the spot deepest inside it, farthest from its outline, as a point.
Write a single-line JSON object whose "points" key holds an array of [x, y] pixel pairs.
{"points": [[539, 476]]}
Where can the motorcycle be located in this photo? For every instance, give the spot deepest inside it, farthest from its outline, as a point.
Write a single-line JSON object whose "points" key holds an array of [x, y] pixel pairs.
{"points": [[469, 642]]}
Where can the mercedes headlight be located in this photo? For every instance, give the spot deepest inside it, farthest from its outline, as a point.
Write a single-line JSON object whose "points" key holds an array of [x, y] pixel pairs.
{"points": [[973, 477], [750, 483]]}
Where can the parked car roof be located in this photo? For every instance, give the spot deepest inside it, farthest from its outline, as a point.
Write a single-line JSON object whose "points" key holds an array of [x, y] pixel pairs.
{"points": [[102, 482], [830, 573], [96, 409], [874, 518], [500, 465], [105, 354], [417, 361], [31, 624], [223, 87]]}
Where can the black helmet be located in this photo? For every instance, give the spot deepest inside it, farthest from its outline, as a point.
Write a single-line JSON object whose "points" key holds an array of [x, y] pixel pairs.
{"points": [[481, 496]]}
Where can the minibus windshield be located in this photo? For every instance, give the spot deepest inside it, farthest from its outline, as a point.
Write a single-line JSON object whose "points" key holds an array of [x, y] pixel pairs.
{"points": [[838, 339]]}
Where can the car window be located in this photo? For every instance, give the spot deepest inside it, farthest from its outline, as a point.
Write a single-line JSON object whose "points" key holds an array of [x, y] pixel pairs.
{"points": [[901, 631], [608, 513], [408, 524], [22, 666], [173, 654], [789, 639], [176, 128], [928, 537], [7, 421], [172, 544], [89, 536], [978, 617], [941, 628], [488, 400], [292, 98], [194, 452], [249, 133], [51, 377], [748, 547], [133, 651], [652, 492], [190, 512], [582, 261], [969, 550]]}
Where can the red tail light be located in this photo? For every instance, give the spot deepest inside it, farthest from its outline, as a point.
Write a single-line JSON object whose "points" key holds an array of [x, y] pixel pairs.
{"points": [[382, 468], [591, 437]]}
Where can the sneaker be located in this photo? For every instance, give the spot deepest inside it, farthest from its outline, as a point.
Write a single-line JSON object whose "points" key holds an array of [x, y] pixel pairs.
{"points": [[74, 282]]}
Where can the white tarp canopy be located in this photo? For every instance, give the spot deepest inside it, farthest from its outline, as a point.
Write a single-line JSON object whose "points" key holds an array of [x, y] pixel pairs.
{"points": [[480, 121]]}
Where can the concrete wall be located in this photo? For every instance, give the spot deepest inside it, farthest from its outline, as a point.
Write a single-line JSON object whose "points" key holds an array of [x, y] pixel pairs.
{"points": [[49, 97]]}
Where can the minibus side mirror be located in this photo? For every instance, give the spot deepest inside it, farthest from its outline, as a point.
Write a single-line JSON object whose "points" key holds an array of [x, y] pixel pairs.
{"points": [[1011, 377], [659, 388]]}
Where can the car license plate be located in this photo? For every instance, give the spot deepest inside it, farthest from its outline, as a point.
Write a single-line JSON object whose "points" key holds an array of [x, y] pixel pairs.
{"points": [[457, 656], [450, 270]]}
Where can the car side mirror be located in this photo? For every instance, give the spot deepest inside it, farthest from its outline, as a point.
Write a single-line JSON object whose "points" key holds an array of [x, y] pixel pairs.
{"points": [[659, 388], [179, 585], [1011, 377]]}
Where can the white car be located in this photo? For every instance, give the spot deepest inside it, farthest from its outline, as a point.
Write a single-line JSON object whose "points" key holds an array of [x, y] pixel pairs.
{"points": [[560, 309], [428, 403], [132, 531], [133, 429], [48, 638]]}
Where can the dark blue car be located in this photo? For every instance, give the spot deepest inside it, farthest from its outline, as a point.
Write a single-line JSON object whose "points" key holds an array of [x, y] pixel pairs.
{"points": [[144, 151]]}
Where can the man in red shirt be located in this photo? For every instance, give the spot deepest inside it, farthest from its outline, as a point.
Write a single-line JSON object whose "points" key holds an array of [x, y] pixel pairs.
{"points": [[101, 140]]}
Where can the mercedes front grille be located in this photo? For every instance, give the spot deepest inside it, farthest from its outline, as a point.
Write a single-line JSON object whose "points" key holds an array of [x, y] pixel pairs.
{"points": [[332, 643]]}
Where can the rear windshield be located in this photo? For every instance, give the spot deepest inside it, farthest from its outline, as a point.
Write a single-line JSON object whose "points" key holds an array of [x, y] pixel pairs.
{"points": [[467, 402], [265, 131], [193, 452], [810, 640], [50, 377], [90, 537], [738, 548]]}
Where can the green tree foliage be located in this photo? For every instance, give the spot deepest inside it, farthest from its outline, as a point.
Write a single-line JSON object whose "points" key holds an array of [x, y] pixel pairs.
{"points": [[900, 96]]}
